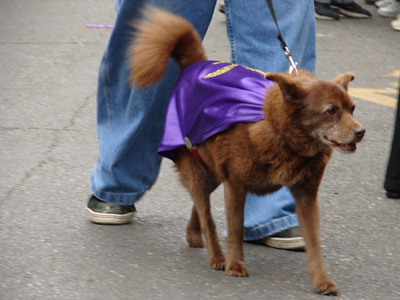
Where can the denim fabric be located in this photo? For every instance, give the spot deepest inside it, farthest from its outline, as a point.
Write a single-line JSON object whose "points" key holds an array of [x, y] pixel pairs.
{"points": [[255, 44], [263, 218], [130, 121]]}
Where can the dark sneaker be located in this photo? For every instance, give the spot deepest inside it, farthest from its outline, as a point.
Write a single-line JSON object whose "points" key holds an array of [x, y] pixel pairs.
{"points": [[325, 12], [352, 10], [289, 239], [222, 8], [102, 212]]}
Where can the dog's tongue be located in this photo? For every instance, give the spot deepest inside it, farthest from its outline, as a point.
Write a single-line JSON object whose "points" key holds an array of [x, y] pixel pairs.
{"points": [[348, 147]]}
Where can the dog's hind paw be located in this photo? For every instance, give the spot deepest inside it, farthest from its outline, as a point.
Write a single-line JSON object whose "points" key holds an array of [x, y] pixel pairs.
{"points": [[237, 269], [218, 263], [327, 288], [195, 242]]}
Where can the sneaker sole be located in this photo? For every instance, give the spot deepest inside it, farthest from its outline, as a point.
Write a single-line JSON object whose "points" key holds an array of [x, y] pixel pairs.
{"points": [[387, 14], [396, 26], [351, 14], [110, 219], [321, 17], [296, 243]]}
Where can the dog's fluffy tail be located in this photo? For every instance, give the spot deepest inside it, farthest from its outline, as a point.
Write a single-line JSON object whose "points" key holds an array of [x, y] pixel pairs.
{"points": [[160, 36]]}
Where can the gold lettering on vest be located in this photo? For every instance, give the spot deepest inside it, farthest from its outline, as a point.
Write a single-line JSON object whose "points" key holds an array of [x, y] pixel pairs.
{"points": [[227, 69]]}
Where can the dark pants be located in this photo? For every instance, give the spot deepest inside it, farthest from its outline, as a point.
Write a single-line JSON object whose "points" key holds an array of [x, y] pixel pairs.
{"points": [[392, 181]]}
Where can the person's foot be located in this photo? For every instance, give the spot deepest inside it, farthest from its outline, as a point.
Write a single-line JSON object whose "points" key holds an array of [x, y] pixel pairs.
{"points": [[325, 12], [352, 10], [390, 11], [289, 239], [392, 194], [222, 8], [102, 212]]}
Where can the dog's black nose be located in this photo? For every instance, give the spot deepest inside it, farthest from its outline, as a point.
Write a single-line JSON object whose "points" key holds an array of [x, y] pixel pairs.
{"points": [[359, 131]]}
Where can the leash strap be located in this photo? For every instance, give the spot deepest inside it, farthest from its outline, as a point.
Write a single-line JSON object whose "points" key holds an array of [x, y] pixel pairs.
{"points": [[197, 155], [280, 38], [189, 145]]}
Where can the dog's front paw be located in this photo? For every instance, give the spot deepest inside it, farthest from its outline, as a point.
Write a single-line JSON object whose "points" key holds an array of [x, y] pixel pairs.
{"points": [[327, 288], [237, 269], [217, 263]]}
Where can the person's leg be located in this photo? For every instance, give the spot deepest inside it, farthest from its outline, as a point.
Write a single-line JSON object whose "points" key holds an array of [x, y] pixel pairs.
{"points": [[130, 120], [253, 38], [392, 179], [253, 34]]}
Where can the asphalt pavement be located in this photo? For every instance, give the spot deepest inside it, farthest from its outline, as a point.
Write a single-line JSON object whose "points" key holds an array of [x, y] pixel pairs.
{"points": [[48, 146]]}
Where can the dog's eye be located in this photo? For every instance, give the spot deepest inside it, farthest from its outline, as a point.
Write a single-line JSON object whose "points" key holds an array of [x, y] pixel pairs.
{"points": [[331, 111], [352, 109]]}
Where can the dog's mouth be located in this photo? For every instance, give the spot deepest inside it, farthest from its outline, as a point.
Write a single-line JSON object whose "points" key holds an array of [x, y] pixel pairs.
{"points": [[351, 147]]}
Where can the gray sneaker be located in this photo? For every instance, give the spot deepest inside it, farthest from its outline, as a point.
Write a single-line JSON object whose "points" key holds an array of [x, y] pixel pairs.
{"points": [[289, 239], [102, 212]]}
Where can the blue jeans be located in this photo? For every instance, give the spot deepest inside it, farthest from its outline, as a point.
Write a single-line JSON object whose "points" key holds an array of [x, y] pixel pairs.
{"points": [[130, 121]]}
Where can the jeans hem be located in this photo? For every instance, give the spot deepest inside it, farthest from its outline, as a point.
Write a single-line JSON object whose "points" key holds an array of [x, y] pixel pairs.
{"points": [[270, 228], [117, 198]]}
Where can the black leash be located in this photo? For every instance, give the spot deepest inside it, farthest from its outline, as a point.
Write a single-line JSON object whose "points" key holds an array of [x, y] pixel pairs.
{"points": [[280, 38]]}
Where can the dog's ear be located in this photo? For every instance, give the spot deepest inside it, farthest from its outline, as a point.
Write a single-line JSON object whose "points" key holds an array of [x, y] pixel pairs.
{"points": [[289, 86], [344, 79]]}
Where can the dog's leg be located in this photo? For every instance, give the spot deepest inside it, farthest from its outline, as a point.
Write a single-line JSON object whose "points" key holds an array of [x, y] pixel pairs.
{"points": [[202, 206], [193, 232], [308, 214], [234, 210], [200, 183]]}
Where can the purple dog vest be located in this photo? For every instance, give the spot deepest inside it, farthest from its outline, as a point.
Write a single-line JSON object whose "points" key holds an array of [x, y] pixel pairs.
{"points": [[210, 97]]}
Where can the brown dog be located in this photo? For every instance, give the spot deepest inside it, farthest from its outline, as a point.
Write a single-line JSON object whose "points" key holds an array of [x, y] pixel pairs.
{"points": [[306, 119]]}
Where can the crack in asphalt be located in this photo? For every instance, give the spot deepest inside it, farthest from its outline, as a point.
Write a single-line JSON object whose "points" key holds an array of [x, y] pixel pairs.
{"points": [[47, 153]]}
